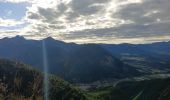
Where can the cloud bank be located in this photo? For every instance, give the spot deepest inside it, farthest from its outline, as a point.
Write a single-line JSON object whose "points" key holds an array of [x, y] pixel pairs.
{"points": [[93, 21]]}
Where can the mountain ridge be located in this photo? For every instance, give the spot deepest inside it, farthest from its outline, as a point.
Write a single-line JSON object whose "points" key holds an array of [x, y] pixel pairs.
{"points": [[51, 38], [66, 58]]}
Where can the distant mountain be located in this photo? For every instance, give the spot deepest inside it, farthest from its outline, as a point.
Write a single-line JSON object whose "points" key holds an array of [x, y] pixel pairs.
{"points": [[20, 82], [159, 48], [155, 89], [76, 63], [149, 58]]}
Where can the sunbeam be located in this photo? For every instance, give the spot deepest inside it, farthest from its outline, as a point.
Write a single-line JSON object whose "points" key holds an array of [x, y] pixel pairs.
{"points": [[45, 65]]}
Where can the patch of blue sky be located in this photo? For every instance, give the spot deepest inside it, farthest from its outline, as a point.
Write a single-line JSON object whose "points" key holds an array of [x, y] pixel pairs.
{"points": [[12, 10]]}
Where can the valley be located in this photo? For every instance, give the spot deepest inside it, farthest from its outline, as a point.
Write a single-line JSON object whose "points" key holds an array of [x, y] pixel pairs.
{"points": [[89, 71]]}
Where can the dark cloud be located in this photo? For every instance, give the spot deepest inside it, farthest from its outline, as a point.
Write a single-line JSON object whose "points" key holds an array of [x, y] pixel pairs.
{"points": [[145, 12], [32, 15], [85, 7], [91, 19]]}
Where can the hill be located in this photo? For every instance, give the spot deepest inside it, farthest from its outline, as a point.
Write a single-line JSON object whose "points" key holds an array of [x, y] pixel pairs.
{"points": [[20, 82]]}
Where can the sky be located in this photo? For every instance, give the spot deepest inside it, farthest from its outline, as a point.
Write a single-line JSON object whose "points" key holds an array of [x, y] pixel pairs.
{"points": [[87, 21]]}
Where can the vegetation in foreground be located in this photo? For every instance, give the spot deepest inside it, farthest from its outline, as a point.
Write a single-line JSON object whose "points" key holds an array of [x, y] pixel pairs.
{"points": [[19, 82]]}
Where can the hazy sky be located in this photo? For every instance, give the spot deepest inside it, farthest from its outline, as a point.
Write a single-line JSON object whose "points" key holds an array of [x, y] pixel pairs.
{"points": [[84, 21]]}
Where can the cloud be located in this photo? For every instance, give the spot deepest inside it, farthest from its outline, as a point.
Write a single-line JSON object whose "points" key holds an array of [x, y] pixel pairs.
{"points": [[15, 1], [9, 22], [72, 16], [86, 7], [150, 18], [105, 21]]}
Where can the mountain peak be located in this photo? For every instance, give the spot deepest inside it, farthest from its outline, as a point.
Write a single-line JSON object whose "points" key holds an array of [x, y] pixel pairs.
{"points": [[52, 40], [18, 37], [49, 38], [13, 39]]}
